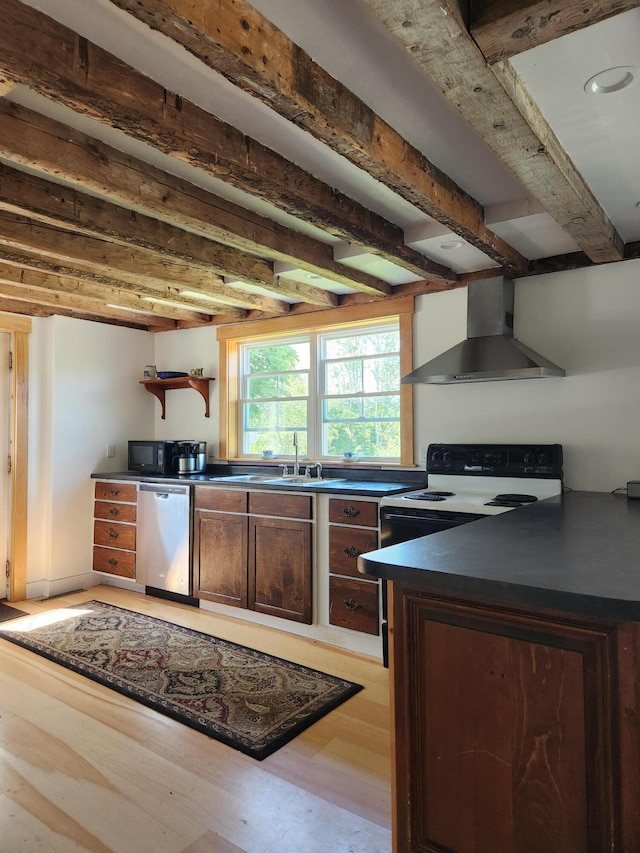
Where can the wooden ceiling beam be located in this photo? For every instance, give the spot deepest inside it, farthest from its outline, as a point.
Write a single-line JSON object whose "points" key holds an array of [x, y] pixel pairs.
{"points": [[33, 261], [33, 309], [52, 60], [63, 154], [504, 28], [57, 205], [517, 132], [129, 264], [38, 284], [235, 40], [85, 304]]}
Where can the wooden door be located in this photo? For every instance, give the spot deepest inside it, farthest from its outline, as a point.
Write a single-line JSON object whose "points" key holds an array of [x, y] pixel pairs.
{"points": [[6, 411], [280, 568], [220, 557]]}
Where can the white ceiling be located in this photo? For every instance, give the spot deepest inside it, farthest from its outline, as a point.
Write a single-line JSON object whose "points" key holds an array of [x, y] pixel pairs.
{"points": [[599, 132]]}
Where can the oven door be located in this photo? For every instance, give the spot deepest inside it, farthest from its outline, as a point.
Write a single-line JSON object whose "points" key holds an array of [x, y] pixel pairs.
{"points": [[400, 524]]}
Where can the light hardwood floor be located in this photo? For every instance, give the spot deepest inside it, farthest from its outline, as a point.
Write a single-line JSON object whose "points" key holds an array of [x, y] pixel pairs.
{"points": [[83, 768]]}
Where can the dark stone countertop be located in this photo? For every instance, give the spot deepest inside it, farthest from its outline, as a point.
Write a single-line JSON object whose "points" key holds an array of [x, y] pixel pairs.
{"points": [[576, 553], [366, 484]]}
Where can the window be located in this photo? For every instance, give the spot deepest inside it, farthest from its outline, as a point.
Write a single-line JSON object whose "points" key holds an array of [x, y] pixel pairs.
{"points": [[336, 385], [339, 390]]}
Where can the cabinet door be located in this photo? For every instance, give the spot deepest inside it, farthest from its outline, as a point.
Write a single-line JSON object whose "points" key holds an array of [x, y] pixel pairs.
{"points": [[504, 736], [280, 568], [220, 557]]}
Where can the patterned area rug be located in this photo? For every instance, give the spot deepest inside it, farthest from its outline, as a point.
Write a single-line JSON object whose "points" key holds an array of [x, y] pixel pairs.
{"points": [[249, 700], [7, 612]]}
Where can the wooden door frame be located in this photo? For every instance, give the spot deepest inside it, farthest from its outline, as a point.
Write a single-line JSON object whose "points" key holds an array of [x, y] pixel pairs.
{"points": [[19, 328]]}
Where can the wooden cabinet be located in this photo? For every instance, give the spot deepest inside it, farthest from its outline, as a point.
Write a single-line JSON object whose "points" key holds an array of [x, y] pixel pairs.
{"points": [[114, 529], [353, 530], [221, 557], [515, 730], [280, 568], [254, 550]]}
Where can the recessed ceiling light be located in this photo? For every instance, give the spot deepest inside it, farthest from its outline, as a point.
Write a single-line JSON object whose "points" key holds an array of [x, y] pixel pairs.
{"points": [[611, 80], [452, 244]]}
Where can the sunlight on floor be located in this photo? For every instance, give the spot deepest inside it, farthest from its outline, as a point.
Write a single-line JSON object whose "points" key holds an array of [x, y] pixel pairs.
{"points": [[40, 620]]}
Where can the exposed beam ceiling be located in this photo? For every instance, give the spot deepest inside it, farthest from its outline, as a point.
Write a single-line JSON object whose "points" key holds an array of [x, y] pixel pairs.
{"points": [[116, 190], [495, 103]]}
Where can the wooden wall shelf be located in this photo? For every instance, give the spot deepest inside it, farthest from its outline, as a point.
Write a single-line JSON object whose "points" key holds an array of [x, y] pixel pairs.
{"points": [[157, 387]]}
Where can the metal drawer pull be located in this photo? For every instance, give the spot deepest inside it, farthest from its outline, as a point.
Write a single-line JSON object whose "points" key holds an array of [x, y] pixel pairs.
{"points": [[351, 551], [112, 561], [350, 511], [114, 511], [114, 492], [352, 604], [113, 534]]}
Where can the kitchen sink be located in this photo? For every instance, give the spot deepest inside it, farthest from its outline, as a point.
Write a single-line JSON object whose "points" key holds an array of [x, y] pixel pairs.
{"points": [[267, 479], [304, 481], [244, 478]]}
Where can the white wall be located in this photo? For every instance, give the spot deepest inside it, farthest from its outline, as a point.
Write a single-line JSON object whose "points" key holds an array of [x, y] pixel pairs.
{"points": [[584, 320], [84, 393], [183, 350]]}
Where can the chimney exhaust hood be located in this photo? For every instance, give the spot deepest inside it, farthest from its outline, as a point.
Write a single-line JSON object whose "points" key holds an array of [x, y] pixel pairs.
{"points": [[490, 352]]}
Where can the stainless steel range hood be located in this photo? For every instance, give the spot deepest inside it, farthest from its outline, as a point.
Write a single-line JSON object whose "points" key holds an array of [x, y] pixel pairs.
{"points": [[490, 351]]}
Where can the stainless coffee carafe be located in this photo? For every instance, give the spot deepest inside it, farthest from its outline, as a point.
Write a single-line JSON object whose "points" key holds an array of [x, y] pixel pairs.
{"points": [[191, 457]]}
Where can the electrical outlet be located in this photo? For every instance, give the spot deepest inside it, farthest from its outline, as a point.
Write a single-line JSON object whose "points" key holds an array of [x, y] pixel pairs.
{"points": [[111, 451]]}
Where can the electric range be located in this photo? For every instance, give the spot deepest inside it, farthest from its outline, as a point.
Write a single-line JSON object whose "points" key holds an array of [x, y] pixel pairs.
{"points": [[465, 483], [484, 479]]}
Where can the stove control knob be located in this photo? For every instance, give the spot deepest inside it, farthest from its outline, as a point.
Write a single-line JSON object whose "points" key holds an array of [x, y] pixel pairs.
{"points": [[447, 456], [529, 458], [543, 458], [436, 456]]}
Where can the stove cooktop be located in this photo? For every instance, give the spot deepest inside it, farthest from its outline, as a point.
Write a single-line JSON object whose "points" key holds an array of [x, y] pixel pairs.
{"points": [[479, 495]]}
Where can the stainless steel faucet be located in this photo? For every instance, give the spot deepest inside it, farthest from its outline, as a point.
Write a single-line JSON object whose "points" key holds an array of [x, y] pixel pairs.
{"points": [[296, 466]]}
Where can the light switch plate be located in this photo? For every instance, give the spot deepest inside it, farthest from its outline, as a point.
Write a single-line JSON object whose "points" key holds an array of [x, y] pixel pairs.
{"points": [[111, 451]]}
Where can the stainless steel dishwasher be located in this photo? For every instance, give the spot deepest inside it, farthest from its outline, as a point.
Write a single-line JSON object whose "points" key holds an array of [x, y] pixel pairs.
{"points": [[164, 537]]}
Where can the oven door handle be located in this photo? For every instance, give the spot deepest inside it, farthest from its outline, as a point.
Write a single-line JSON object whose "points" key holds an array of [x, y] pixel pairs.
{"points": [[396, 516]]}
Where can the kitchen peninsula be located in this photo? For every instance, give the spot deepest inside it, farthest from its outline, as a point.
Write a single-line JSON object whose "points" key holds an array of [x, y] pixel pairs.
{"points": [[515, 644]]}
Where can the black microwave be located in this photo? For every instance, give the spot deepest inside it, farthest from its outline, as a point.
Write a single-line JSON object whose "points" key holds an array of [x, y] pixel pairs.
{"points": [[152, 457]]}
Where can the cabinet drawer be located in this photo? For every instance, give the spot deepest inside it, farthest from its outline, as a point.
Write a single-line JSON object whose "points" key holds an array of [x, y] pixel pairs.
{"points": [[116, 492], [282, 504], [115, 535], [354, 605], [121, 563], [226, 500], [363, 513], [115, 512], [346, 545]]}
